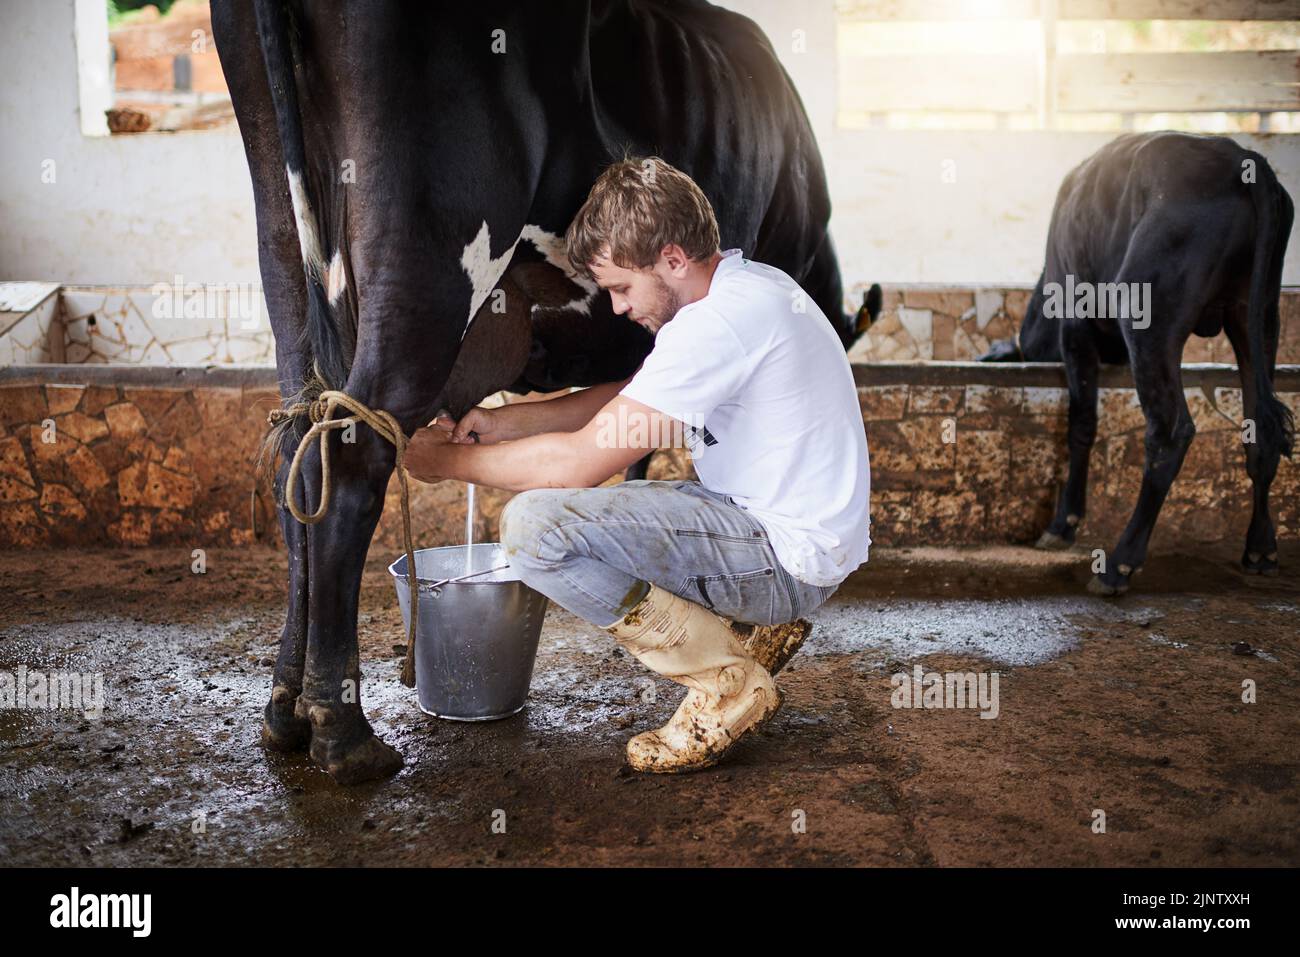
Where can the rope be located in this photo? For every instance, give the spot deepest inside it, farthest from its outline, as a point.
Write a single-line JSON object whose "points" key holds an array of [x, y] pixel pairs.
{"points": [[321, 413]]}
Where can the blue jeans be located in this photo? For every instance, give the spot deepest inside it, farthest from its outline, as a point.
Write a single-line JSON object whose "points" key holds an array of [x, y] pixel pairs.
{"points": [[595, 551]]}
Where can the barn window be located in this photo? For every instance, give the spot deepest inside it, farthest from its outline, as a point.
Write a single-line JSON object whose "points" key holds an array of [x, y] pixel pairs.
{"points": [[149, 65], [1226, 66]]}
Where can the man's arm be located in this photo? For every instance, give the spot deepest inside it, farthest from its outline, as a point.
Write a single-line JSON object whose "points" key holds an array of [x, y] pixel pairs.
{"points": [[564, 413], [617, 435]]}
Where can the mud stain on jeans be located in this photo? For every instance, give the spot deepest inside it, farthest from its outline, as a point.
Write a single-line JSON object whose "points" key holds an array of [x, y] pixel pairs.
{"points": [[633, 597]]}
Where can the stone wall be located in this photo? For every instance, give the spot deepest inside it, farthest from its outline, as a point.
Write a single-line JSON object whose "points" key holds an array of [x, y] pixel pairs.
{"points": [[34, 335], [172, 324], [164, 456], [169, 324], [131, 456], [194, 324], [967, 453], [957, 323], [960, 454]]}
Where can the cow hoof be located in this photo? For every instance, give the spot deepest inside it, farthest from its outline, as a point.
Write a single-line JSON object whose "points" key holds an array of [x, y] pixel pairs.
{"points": [[282, 730], [357, 760], [1098, 586], [1255, 563], [1050, 541], [295, 737]]}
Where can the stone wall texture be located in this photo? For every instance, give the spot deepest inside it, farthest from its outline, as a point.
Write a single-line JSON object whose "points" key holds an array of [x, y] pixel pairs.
{"points": [[172, 464], [182, 324], [959, 455], [983, 463], [958, 323]]}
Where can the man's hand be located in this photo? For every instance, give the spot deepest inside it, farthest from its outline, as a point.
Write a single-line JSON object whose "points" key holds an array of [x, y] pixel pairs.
{"points": [[482, 422], [426, 453], [619, 434]]}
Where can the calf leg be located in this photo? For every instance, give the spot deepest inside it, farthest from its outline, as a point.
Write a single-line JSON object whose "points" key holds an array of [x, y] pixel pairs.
{"points": [[1260, 555], [1081, 370], [1169, 432]]}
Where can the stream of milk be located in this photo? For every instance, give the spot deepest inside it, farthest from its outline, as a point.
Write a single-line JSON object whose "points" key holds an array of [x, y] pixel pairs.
{"points": [[469, 525]]}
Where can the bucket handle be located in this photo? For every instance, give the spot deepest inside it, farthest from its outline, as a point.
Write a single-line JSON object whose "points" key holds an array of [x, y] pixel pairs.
{"points": [[448, 581]]}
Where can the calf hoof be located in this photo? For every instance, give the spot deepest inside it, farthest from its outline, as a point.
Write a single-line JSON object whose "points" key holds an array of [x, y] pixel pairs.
{"points": [[344, 746], [282, 730], [1050, 541], [1108, 589], [1255, 563]]}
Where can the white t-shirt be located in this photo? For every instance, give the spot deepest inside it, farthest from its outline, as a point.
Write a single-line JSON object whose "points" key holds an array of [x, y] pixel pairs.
{"points": [[760, 380]]}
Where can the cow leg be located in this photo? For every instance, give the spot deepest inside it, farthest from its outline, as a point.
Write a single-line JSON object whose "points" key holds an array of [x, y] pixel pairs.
{"points": [[1158, 375], [282, 729], [400, 368], [342, 741], [234, 26], [1260, 555], [1082, 367]]}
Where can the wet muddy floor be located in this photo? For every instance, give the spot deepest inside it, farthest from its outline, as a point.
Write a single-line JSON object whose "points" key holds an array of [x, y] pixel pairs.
{"points": [[1128, 708]]}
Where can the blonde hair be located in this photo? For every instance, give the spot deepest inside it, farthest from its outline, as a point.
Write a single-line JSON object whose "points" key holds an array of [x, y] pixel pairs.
{"points": [[635, 209]]}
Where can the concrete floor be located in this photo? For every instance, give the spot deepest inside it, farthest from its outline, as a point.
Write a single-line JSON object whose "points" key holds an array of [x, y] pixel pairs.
{"points": [[1131, 707]]}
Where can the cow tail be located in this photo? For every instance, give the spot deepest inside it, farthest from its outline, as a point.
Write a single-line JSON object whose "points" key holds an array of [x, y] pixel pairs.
{"points": [[1274, 425], [331, 323]]}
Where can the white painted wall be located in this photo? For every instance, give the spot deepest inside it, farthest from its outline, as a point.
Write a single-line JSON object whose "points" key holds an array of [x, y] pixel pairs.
{"points": [[122, 209], [895, 219], [139, 209]]}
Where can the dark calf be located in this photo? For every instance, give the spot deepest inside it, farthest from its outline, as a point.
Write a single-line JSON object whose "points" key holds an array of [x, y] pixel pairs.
{"points": [[1198, 226]]}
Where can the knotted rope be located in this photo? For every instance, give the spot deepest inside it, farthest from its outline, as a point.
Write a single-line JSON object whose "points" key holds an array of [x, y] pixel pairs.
{"points": [[321, 413]]}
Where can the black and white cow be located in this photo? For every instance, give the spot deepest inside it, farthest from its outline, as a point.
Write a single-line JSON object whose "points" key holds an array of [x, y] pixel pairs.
{"points": [[403, 158], [1153, 238]]}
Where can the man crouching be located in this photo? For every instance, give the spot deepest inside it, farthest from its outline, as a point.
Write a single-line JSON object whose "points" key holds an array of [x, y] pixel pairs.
{"points": [[749, 372]]}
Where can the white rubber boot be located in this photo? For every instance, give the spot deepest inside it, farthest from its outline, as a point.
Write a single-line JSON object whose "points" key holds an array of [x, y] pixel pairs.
{"points": [[730, 694]]}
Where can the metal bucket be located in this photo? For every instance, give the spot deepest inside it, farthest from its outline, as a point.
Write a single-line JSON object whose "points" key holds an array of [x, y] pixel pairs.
{"points": [[476, 640]]}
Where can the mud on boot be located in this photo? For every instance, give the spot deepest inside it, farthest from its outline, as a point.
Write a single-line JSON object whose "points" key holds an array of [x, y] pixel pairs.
{"points": [[731, 694], [707, 726], [772, 645], [282, 729], [345, 746]]}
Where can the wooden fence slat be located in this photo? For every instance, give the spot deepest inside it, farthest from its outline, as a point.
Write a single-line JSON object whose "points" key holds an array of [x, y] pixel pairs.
{"points": [[972, 83], [1248, 80], [867, 10], [932, 10], [1180, 9]]}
